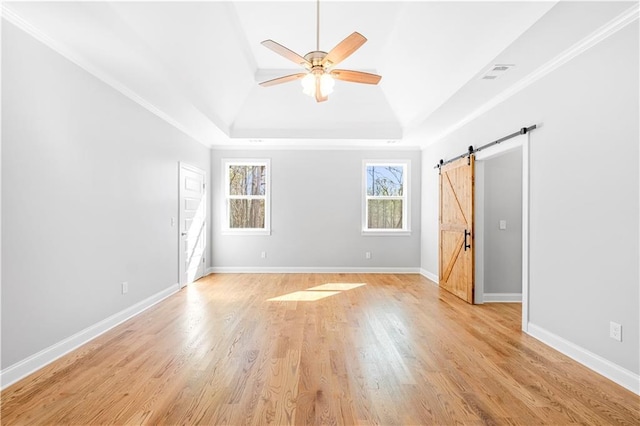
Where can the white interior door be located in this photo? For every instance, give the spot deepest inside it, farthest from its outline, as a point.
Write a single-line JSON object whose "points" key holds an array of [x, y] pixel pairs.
{"points": [[193, 223]]}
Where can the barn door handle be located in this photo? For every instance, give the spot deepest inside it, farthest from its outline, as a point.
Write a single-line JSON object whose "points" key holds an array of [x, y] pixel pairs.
{"points": [[466, 234]]}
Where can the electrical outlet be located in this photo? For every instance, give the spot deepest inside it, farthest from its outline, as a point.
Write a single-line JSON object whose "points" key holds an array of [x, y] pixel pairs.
{"points": [[367, 255], [125, 287], [615, 331], [263, 255]]}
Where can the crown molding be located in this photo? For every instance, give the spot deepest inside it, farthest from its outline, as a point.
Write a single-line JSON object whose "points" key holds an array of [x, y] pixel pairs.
{"points": [[328, 145], [616, 24], [15, 19]]}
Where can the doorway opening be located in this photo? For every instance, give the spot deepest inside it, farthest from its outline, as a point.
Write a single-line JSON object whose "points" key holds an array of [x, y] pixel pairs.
{"points": [[502, 224]]}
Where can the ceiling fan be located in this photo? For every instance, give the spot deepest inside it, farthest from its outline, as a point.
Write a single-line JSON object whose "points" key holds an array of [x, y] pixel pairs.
{"points": [[317, 79]]}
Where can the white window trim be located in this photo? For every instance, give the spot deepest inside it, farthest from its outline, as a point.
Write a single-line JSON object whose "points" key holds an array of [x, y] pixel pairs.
{"points": [[226, 230], [406, 205]]}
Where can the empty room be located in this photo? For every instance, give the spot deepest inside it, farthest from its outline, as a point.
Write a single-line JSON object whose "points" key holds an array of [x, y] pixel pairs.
{"points": [[320, 212]]}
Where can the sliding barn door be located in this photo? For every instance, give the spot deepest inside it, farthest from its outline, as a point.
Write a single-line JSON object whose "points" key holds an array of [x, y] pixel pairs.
{"points": [[456, 228]]}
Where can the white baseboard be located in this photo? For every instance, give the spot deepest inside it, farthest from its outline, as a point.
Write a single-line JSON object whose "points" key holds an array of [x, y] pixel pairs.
{"points": [[29, 365], [608, 369], [307, 270], [502, 298], [429, 275]]}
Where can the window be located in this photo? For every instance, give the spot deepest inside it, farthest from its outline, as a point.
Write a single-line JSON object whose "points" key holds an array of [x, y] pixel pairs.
{"points": [[247, 196], [386, 197]]}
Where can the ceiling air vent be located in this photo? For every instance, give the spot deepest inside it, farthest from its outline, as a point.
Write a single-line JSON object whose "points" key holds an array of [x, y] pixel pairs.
{"points": [[496, 71]]}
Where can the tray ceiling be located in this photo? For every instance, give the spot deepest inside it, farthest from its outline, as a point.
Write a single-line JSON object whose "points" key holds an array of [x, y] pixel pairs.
{"points": [[197, 64]]}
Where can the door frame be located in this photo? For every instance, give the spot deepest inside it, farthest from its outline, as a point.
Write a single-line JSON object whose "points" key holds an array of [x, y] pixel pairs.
{"points": [[181, 165], [521, 141]]}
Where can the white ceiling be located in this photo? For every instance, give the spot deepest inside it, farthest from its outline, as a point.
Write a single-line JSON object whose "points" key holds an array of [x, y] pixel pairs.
{"points": [[197, 64]]}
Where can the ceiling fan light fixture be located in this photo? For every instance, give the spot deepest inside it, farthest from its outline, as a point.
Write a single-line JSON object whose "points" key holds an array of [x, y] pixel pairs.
{"points": [[319, 79], [309, 84]]}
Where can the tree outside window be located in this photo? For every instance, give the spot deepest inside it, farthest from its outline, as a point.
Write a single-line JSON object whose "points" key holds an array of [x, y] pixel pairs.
{"points": [[247, 195], [386, 196]]}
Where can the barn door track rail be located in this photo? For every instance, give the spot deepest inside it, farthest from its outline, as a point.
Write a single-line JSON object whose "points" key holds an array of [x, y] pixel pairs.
{"points": [[471, 150]]}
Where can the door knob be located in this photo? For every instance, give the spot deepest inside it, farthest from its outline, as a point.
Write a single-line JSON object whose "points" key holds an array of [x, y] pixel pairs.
{"points": [[184, 234]]}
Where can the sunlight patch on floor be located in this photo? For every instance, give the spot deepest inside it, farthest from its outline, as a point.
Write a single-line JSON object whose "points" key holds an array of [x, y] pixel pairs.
{"points": [[316, 293], [303, 296], [336, 287]]}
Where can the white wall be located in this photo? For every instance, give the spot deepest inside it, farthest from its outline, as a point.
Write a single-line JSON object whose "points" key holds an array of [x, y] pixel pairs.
{"points": [[89, 186], [503, 201], [584, 196], [316, 210]]}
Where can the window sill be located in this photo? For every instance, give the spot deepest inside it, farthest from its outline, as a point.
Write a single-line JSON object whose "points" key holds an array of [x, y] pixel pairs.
{"points": [[246, 232], [386, 233]]}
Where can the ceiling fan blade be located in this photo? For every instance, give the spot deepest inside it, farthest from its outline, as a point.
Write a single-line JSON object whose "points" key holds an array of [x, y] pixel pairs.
{"points": [[345, 48], [286, 53], [356, 76], [319, 97], [284, 79]]}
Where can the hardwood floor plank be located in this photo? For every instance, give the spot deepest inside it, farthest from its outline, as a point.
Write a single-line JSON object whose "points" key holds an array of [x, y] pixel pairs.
{"points": [[337, 349]]}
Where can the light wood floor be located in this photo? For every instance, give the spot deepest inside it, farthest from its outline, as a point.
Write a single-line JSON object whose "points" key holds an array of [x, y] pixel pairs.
{"points": [[396, 350]]}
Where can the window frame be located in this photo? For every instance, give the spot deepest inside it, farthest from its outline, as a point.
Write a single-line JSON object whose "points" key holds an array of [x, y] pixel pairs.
{"points": [[406, 199], [226, 228]]}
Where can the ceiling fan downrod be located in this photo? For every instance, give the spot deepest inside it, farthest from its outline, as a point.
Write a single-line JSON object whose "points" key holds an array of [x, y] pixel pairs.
{"points": [[317, 25], [316, 57]]}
